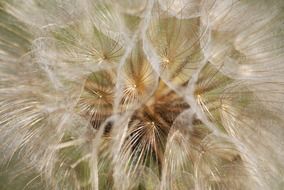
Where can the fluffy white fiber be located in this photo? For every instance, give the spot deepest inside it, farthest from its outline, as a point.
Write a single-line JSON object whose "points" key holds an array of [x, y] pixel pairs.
{"points": [[141, 94]]}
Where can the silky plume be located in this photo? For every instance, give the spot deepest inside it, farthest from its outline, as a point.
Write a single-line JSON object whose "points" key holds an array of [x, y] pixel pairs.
{"points": [[142, 94]]}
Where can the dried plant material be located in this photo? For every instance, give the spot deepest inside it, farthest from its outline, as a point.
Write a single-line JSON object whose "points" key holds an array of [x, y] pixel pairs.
{"points": [[143, 94]]}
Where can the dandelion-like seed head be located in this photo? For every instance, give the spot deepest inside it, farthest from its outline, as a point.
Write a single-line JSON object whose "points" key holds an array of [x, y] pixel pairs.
{"points": [[148, 94]]}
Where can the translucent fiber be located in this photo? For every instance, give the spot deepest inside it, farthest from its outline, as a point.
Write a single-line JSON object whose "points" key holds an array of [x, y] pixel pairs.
{"points": [[143, 94]]}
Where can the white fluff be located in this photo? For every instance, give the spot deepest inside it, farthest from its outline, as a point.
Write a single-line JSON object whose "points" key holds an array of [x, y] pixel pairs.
{"points": [[166, 94]]}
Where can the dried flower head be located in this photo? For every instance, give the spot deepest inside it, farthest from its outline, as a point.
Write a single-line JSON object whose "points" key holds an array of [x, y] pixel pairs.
{"points": [[141, 94]]}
